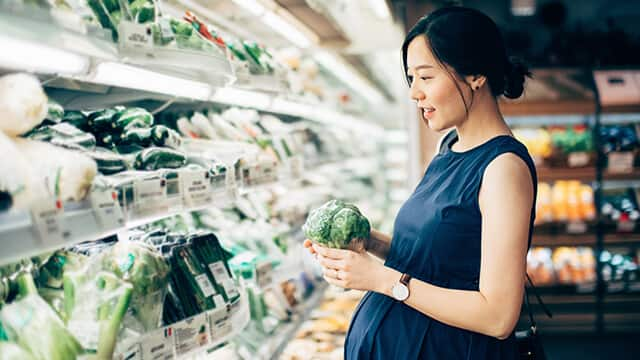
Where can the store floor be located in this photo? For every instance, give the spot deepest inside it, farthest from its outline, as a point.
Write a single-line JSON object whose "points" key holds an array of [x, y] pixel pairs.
{"points": [[588, 347]]}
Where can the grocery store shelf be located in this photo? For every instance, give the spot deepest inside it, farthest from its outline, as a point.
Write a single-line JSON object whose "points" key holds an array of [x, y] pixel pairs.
{"points": [[588, 239], [552, 174], [278, 342], [621, 239], [548, 120], [632, 175], [170, 341]]}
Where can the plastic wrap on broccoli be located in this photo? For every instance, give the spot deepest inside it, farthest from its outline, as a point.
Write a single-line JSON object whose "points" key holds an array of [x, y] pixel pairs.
{"points": [[335, 224]]}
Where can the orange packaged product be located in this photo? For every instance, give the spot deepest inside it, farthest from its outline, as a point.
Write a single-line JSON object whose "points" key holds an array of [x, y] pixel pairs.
{"points": [[559, 201], [544, 208], [588, 207], [574, 208]]}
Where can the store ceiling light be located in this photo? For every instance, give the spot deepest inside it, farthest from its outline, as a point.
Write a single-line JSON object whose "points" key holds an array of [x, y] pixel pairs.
{"points": [[239, 97], [27, 56], [348, 76], [252, 6], [285, 29], [380, 8], [121, 75]]}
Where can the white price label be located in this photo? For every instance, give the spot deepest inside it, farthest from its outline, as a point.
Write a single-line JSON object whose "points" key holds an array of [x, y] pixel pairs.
{"points": [[220, 323], [191, 334], [107, 209], [47, 219], [578, 159], [219, 272], [263, 273], [219, 301], [620, 162], [151, 195], [195, 187], [230, 289], [205, 285], [577, 227], [158, 344], [134, 35]]}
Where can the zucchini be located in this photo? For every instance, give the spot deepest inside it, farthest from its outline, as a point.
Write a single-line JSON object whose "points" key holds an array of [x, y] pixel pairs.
{"points": [[105, 140], [108, 162], [159, 158], [136, 136], [133, 118], [196, 285], [65, 135], [77, 119], [163, 136], [128, 149], [102, 120]]}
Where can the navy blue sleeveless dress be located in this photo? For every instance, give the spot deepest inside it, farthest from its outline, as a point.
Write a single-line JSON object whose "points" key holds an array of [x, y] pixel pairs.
{"points": [[436, 239]]}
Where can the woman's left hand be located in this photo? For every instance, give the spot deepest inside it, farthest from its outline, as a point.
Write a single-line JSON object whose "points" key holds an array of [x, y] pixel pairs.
{"points": [[350, 269]]}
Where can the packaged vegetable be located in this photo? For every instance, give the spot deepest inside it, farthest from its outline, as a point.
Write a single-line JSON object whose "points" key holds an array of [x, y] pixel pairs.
{"points": [[65, 135], [66, 174], [108, 162], [11, 351], [163, 136], [18, 179], [32, 324], [23, 103], [55, 112], [132, 118], [159, 158], [146, 269]]}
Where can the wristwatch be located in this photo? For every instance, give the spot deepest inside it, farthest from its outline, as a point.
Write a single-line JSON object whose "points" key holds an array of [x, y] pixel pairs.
{"points": [[400, 290]]}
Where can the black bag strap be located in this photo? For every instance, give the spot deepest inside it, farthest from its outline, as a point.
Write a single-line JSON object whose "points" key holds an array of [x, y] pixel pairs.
{"points": [[526, 302]]}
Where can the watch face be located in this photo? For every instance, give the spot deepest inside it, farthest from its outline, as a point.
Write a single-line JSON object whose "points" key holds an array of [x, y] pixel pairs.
{"points": [[400, 292]]}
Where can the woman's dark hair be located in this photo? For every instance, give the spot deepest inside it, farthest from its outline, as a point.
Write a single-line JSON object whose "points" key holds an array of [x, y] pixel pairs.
{"points": [[470, 43]]}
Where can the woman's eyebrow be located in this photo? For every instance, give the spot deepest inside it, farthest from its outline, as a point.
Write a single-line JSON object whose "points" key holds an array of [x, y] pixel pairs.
{"points": [[423, 66]]}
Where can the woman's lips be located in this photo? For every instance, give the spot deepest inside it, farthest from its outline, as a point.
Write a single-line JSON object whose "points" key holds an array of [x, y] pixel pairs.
{"points": [[428, 112]]}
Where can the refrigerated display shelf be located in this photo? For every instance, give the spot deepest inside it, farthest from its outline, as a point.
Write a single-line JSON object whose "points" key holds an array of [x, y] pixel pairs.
{"points": [[171, 342], [588, 239], [277, 343], [622, 239]]}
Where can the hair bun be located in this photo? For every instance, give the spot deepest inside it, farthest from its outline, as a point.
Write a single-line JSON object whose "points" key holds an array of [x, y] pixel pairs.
{"points": [[514, 76]]}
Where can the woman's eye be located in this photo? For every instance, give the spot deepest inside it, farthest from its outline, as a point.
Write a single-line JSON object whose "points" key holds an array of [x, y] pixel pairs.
{"points": [[425, 78], [410, 79]]}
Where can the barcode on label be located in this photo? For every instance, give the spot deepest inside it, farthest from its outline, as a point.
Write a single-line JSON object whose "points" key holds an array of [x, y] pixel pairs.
{"points": [[205, 285]]}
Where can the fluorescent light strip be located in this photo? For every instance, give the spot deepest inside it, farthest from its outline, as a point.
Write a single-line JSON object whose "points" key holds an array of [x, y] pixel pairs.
{"points": [[347, 75], [285, 29], [252, 6], [380, 8], [24, 55], [121, 75], [243, 98]]}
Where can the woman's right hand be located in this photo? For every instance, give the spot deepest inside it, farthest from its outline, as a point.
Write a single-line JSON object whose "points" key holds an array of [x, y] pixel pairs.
{"points": [[309, 245]]}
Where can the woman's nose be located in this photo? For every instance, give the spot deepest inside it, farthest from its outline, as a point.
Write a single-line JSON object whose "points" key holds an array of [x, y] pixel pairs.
{"points": [[416, 94]]}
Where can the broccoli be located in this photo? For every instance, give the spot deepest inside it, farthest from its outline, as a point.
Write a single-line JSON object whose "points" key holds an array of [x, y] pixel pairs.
{"points": [[335, 224]]}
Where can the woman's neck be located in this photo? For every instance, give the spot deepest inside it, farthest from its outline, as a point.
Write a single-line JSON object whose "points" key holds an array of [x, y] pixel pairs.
{"points": [[483, 123]]}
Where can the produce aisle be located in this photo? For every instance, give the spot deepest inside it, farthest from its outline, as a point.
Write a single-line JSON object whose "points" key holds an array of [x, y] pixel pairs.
{"points": [[159, 166]]}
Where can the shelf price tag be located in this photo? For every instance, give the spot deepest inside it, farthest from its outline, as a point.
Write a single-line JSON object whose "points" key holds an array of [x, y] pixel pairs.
{"points": [[134, 35], [129, 352], [195, 187], [220, 323], [151, 195], [576, 227], [47, 218], [578, 159], [158, 344], [620, 162], [107, 209], [191, 334]]}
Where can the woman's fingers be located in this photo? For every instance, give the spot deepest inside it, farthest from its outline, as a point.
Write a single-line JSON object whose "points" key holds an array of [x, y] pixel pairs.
{"points": [[332, 253], [331, 263], [309, 245]]}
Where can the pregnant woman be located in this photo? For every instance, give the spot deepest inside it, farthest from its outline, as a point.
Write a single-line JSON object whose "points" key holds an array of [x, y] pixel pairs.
{"points": [[452, 283]]}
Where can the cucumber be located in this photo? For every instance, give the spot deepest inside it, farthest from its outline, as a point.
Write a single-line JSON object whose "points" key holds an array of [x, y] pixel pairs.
{"points": [[133, 118], [159, 158], [65, 135], [190, 270], [163, 136], [105, 140], [108, 162], [136, 136], [102, 121], [55, 112], [77, 119]]}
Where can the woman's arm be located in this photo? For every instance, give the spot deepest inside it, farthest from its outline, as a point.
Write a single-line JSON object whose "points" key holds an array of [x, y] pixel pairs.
{"points": [[379, 244], [505, 201]]}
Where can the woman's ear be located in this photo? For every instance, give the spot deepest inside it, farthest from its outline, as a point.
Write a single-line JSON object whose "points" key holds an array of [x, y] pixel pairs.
{"points": [[475, 81]]}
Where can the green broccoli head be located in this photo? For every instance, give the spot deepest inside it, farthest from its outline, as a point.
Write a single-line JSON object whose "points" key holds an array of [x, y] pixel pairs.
{"points": [[335, 224]]}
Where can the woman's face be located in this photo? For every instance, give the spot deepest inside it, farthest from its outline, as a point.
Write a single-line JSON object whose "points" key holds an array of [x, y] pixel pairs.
{"points": [[433, 87]]}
